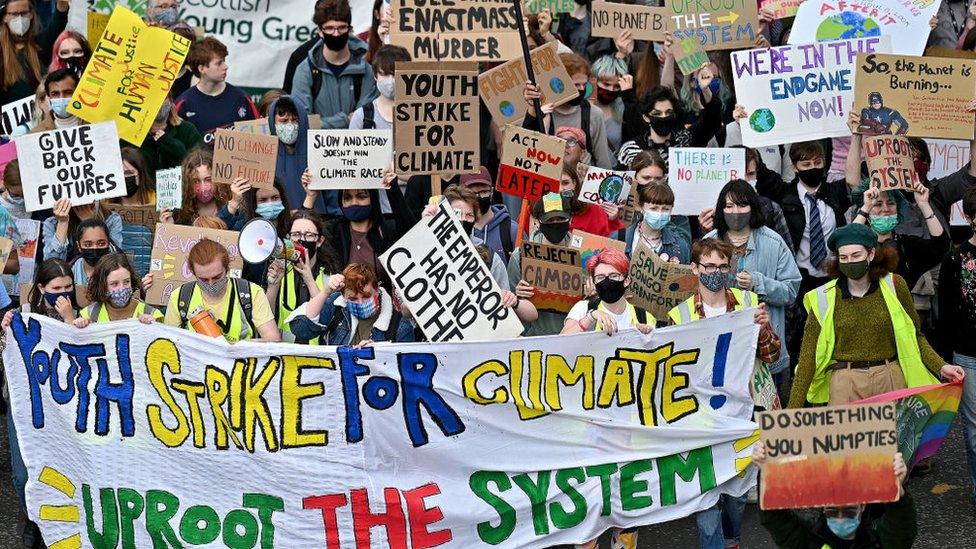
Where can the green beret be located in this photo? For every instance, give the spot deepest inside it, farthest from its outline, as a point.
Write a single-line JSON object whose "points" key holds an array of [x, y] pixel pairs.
{"points": [[853, 233]]}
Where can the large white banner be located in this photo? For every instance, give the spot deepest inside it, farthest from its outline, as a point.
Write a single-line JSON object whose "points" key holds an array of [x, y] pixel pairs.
{"points": [[905, 22], [798, 93], [142, 436]]}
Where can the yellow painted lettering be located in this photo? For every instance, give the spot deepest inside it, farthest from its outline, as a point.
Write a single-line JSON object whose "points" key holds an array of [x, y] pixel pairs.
{"points": [[218, 389], [293, 392], [617, 380], [558, 371], [163, 353], [193, 391], [255, 407], [470, 383]]}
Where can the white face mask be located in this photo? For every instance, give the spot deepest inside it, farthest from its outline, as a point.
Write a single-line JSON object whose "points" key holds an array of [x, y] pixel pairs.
{"points": [[19, 25], [386, 87]]}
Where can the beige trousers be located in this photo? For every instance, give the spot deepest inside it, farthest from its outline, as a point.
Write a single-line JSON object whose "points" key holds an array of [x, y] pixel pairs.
{"points": [[852, 384]]}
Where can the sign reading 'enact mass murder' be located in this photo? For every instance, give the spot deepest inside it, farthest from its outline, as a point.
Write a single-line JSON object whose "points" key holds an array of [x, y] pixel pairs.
{"points": [[462, 30], [81, 163], [435, 119], [349, 159]]}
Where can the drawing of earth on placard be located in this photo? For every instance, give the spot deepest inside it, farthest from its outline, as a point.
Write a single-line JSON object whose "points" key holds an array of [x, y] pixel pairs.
{"points": [[506, 108], [611, 187], [762, 120], [847, 25], [556, 84]]}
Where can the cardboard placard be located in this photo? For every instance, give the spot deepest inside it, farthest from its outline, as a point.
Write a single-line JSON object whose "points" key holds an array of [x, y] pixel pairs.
{"points": [[590, 244], [260, 125], [631, 211], [462, 30], [781, 8], [142, 214], [30, 233], [554, 6], [609, 20], [436, 127], [81, 163], [906, 23], [131, 70], [600, 186], [168, 263], [921, 96], [501, 87], [657, 285], [829, 456], [253, 156], [445, 284], [556, 274], [890, 162], [799, 93], [6, 246], [531, 163], [728, 26], [18, 113], [948, 157], [169, 189], [697, 174], [349, 159], [689, 54]]}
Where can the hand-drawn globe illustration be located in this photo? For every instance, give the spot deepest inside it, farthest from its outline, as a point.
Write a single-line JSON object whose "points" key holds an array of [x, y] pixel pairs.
{"points": [[762, 120], [556, 84], [507, 108], [847, 25], [611, 188]]}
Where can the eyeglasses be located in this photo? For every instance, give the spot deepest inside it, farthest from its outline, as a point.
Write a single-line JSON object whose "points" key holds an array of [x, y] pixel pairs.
{"points": [[616, 277], [335, 31], [709, 269], [570, 143], [303, 236]]}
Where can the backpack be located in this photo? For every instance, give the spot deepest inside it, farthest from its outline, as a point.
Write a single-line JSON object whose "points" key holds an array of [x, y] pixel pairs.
{"points": [[506, 236], [584, 125], [369, 116], [357, 85], [242, 289]]}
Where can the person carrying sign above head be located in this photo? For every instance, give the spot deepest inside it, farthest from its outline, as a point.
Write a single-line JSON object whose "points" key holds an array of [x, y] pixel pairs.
{"points": [[600, 220], [212, 103], [608, 71], [885, 525], [240, 309], [335, 79], [360, 312], [201, 196], [24, 47], [877, 119], [59, 86], [378, 114], [59, 232], [609, 311], [288, 119], [112, 292], [169, 139], [862, 335], [654, 227]]}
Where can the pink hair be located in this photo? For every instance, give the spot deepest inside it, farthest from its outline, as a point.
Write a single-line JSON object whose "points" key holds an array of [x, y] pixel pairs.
{"points": [[610, 256], [56, 62]]}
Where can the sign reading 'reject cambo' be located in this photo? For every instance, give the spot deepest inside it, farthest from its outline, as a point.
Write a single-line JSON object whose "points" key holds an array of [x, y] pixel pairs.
{"points": [[150, 436]]}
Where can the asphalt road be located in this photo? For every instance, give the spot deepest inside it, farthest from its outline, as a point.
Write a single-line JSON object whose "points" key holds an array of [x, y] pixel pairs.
{"points": [[947, 519]]}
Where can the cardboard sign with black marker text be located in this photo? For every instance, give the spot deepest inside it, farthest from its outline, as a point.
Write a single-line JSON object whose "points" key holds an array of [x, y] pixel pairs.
{"points": [[890, 162], [609, 20], [531, 163], [501, 87], [555, 272], [253, 156]]}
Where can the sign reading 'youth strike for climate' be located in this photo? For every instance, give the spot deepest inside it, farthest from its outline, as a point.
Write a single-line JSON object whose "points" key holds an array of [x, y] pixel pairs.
{"points": [[798, 93], [121, 424]]}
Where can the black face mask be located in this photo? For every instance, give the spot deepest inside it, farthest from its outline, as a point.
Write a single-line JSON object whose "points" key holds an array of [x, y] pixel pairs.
{"points": [[578, 100], [309, 245], [554, 232], [92, 255], [336, 43], [610, 291], [812, 177], [484, 204], [76, 64], [662, 125], [468, 226], [131, 185]]}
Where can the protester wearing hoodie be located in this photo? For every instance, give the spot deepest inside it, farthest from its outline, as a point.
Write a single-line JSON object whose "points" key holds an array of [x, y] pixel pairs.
{"points": [[288, 119], [493, 226], [335, 80]]}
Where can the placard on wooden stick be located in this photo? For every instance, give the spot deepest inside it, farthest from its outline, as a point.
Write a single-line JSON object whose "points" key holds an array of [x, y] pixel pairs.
{"points": [[253, 156], [531, 163], [609, 20], [556, 273]]}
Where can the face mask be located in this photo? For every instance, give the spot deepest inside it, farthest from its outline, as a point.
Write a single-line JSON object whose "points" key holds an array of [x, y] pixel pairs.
{"points": [[737, 221], [213, 289], [205, 192], [15, 200], [656, 220], [576, 101], [713, 86], [120, 298], [662, 125], [309, 245], [467, 226], [59, 106], [605, 96], [131, 185], [166, 17], [554, 232], [812, 177], [386, 87], [843, 527], [92, 255], [610, 291], [362, 310], [357, 213], [484, 204], [76, 64], [922, 169], [336, 43], [569, 193], [751, 182], [883, 224], [270, 210], [713, 281], [855, 270], [19, 25], [287, 133], [52, 297]]}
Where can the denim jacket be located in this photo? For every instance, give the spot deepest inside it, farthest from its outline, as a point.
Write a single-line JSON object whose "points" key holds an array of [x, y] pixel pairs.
{"points": [[306, 329], [672, 243]]}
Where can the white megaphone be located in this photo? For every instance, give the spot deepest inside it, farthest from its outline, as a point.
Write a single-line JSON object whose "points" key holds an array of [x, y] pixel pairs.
{"points": [[258, 241]]}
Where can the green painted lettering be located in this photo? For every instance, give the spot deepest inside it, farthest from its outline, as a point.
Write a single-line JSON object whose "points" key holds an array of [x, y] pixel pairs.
{"points": [[108, 538], [195, 533], [479, 485], [560, 518], [161, 507], [538, 492], [266, 506], [603, 471], [234, 539], [131, 506], [699, 461], [630, 486]]}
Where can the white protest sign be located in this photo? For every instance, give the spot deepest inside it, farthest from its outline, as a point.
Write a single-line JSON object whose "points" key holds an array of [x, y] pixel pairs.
{"points": [[292, 445], [905, 23], [798, 93], [948, 157], [697, 174], [169, 189], [446, 285], [349, 159], [82, 164], [17, 113], [601, 186]]}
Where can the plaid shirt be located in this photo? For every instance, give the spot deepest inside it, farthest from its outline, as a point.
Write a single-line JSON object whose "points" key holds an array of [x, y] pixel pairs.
{"points": [[767, 349]]}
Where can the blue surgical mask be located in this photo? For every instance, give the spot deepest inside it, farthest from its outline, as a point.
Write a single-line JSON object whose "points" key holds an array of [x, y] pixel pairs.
{"points": [[713, 281], [270, 210], [59, 106], [52, 297], [362, 310], [657, 220], [843, 528]]}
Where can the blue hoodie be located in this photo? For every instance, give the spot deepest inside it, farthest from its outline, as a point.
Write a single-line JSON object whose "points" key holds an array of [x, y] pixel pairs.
{"points": [[292, 163], [492, 233]]}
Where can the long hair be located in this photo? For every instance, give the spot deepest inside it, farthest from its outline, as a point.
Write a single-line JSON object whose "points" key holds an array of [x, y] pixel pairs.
{"points": [[250, 204], [56, 62], [326, 258], [11, 70], [648, 72], [98, 282], [194, 159], [885, 261], [374, 42], [48, 271], [146, 182], [739, 192]]}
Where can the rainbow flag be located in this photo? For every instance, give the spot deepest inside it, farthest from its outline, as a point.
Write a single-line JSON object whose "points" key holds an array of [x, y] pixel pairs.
{"points": [[924, 417]]}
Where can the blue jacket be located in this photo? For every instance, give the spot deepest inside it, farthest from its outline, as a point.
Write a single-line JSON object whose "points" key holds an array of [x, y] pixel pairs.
{"points": [[672, 243], [492, 234], [775, 277], [306, 329], [336, 98], [291, 163]]}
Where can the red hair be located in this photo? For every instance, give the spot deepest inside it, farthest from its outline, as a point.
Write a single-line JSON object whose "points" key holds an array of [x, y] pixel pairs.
{"points": [[56, 62], [609, 256]]}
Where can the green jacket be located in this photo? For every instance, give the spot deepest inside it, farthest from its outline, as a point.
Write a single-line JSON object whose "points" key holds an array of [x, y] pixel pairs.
{"points": [[895, 528], [169, 151]]}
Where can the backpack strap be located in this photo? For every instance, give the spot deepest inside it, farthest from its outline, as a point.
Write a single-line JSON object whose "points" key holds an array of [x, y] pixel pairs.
{"points": [[357, 88], [243, 289], [316, 84], [95, 311], [585, 124], [369, 116], [183, 303], [391, 330], [506, 236]]}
